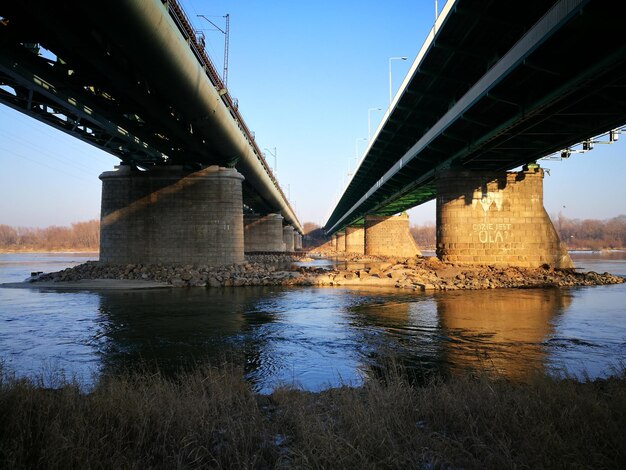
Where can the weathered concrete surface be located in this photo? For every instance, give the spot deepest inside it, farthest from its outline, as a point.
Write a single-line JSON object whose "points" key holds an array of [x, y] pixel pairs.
{"points": [[297, 241], [496, 219], [389, 236], [288, 238], [341, 241], [169, 215], [263, 233], [355, 240]]}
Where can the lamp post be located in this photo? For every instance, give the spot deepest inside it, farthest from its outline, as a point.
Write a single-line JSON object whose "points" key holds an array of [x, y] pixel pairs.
{"points": [[390, 59], [369, 122], [273, 154], [356, 150]]}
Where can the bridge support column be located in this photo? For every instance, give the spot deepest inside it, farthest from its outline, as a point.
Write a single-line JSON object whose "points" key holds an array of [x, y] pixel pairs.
{"points": [[341, 242], [168, 215], [297, 241], [496, 219], [288, 238], [263, 232], [355, 240], [389, 236]]}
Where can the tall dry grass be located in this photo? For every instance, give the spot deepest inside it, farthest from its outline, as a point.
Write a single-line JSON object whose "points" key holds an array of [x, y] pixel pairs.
{"points": [[210, 418]]}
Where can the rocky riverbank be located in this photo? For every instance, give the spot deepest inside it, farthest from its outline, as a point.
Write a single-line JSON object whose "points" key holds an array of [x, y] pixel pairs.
{"points": [[417, 273]]}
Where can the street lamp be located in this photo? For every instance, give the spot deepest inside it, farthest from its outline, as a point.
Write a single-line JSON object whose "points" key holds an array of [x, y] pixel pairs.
{"points": [[356, 150], [273, 154], [390, 59], [369, 122]]}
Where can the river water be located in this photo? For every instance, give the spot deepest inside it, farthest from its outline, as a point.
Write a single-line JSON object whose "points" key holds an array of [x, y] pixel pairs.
{"points": [[312, 337]]}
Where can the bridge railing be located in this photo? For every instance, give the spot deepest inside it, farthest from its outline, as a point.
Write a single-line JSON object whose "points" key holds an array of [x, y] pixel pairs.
{"points": [[184, 25]]}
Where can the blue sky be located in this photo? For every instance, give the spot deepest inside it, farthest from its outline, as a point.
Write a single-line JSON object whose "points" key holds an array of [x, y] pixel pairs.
{"points": [[305, 75]]}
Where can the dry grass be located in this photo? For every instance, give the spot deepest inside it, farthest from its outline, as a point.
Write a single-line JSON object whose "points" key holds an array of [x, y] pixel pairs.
{"points": [[204, 419], [210, 418]]}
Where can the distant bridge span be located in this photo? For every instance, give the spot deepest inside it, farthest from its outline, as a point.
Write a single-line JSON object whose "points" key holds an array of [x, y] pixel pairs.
{"points": [[496, 85]]}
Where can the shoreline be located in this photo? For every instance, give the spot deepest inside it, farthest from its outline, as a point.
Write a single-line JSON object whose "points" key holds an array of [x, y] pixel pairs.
{"points": [[50, 252], [89, 284], [427, 249], [415, 274], [211, 417]]}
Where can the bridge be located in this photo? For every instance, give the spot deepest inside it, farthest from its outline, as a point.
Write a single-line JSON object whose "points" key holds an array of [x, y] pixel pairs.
{"points": [[495, 86], [131, 78]]}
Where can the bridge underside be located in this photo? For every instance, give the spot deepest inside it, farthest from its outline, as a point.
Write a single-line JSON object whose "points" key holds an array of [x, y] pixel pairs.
{"points": [[483, 104], [129, 78]]}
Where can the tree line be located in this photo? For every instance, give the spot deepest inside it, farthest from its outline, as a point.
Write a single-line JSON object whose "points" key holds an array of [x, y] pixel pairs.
{"points": [[78, 236], [586, 234], [591, 234], [424, 235], [578, 234]]}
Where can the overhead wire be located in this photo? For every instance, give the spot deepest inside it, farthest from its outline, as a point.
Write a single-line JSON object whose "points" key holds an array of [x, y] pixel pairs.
{"points": [[24, 143], [12, 152], [57, 135]]}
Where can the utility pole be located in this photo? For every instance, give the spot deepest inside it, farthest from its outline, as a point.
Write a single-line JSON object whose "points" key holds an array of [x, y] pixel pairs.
{"points": [[226, 33], [226, 47]]}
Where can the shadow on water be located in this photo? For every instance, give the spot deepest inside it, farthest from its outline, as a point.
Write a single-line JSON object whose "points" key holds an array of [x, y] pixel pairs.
{"points": [[177, 328], [278, 335]]}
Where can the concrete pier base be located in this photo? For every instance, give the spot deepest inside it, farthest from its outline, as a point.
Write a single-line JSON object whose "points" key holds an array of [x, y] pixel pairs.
{"points": [[496, 219], [168, 215], [288, 238], [341, 242], [263, 233], [297, 241], [389, 236], [355, 240]]}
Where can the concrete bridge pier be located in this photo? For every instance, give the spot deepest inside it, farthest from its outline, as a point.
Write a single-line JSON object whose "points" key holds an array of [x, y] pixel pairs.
{"points": [[389, 236], [355, 239], [341, 242], [297, 241], [263, 232], [288, 238], [170, 215], [496, 218]]}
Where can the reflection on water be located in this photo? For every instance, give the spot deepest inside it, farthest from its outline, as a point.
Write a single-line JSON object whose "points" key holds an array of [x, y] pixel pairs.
{"points": [[502, 331], [170, 328], [315, 337], [499, 331]]}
